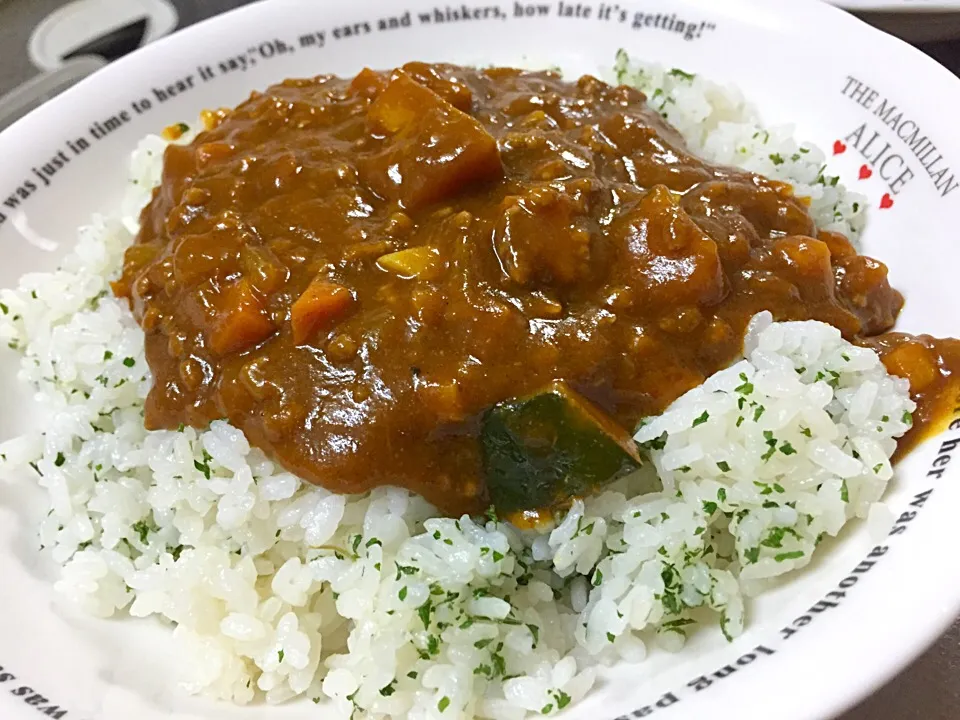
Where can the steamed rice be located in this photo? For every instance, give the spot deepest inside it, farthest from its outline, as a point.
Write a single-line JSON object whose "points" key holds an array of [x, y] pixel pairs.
{"points": [[278, 589]]}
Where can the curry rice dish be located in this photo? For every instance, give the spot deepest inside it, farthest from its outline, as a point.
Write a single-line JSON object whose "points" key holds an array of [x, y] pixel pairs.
{"points": [[445, 297]]}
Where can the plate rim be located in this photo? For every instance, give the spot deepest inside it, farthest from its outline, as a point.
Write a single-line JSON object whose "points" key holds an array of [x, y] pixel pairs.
{"points": [[938, 616]]}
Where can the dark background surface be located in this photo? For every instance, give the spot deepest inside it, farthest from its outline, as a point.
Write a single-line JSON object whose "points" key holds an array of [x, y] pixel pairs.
{"points": [[928, 690], [947, 53]]}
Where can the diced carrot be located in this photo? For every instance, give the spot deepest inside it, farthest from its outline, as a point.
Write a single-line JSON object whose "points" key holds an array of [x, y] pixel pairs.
{"points": [[321, 305], [368, 83], [432, 149], [400, 104], [241, 321], [175, 131], [453, 91]]}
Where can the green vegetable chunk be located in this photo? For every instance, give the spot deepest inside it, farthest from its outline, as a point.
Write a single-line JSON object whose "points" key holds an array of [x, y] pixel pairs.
{"points": [[540, 452]]}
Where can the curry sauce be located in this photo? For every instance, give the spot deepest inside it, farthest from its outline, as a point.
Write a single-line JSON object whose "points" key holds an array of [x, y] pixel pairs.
{"points": [[353, 271]]}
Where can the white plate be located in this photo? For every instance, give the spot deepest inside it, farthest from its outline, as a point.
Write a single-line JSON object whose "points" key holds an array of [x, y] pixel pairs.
{"points": [[812, 648]]}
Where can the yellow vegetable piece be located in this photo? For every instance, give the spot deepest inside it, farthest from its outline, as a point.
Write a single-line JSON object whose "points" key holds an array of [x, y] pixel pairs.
{"points": [[416, 262]]}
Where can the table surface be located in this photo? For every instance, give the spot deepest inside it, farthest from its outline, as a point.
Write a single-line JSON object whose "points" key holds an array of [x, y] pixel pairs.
{"points": [[929, 689]]}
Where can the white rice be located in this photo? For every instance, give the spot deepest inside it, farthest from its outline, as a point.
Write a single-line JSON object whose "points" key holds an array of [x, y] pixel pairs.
{"points": [[277, 589]]}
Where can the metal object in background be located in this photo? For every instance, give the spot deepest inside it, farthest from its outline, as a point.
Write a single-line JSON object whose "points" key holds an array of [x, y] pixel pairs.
{"points": [[48, 45], [79, 38], [108, 28]]}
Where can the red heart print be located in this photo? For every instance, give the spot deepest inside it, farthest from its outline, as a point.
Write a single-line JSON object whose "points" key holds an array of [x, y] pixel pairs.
{"points": [[886, 201], [865, 172], [839, 148]]}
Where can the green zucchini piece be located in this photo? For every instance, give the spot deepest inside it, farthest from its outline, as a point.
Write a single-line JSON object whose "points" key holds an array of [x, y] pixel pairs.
{"points": [[540, 452]]}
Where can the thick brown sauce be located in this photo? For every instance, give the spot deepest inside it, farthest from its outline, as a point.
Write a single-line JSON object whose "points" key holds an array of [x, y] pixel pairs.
{"points": [[933, 367], [562, 231]]}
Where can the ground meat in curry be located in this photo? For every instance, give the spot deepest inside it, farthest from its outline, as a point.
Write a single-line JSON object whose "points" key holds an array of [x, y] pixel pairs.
{"points": [[352, 271]]}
